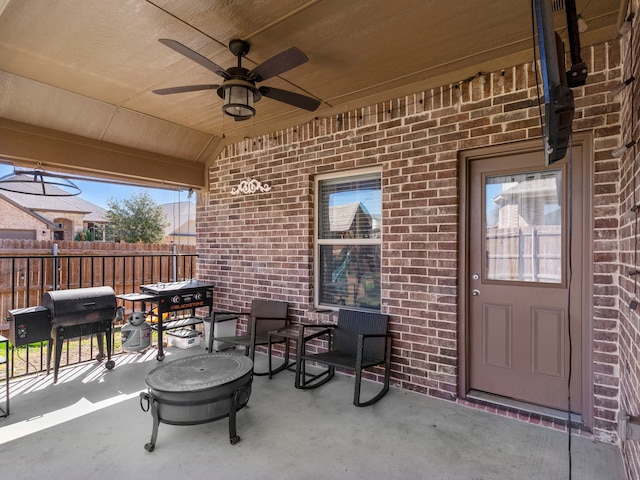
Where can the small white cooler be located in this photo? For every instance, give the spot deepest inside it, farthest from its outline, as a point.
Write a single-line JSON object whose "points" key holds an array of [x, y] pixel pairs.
{"points": [[224, 325], [183, 338]]}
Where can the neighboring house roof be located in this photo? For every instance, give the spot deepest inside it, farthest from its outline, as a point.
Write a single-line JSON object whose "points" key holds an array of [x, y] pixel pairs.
{"points": [[535, 202], [546, 188], [35, 215], [181, 218], [341, 216], [65, 204]]}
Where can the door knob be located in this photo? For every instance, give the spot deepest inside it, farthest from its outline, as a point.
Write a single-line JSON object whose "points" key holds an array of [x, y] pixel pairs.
{"points": [[475, 292]]}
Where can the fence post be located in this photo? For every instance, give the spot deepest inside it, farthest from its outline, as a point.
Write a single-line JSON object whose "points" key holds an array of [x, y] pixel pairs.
{"points": [[174, 252], [55, 266]]}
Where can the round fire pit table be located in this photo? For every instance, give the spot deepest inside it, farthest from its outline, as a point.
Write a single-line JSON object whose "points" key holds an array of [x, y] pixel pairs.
{"points": [[198, 389]]}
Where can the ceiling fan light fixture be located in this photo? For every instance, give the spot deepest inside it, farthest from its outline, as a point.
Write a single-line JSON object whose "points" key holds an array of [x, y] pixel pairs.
{"points": [[239, 99]]}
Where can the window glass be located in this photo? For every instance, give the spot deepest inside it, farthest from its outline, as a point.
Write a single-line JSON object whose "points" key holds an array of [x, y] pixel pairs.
{"points": [[523, 227], [350, 275], [350, 208], [348, 241]]}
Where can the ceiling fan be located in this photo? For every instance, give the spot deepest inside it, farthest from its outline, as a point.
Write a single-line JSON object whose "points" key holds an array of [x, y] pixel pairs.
{"points": [[238, 90]]}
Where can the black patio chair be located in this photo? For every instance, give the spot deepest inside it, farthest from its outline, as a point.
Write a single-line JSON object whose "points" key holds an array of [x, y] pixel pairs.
{"points": [[265, 316], [357, 342]]}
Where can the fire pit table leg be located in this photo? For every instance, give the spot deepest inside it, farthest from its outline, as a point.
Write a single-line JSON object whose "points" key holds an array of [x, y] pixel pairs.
{"points": [[153, 405], [238, 400], [233, 436]]}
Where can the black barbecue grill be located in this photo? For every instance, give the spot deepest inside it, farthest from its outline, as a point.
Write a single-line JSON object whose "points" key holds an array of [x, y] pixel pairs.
{"points": [[79, 312], [67, 314]]}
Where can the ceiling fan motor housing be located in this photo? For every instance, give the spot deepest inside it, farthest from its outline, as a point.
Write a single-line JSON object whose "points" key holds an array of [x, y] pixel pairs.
{"points": [[238, 76], [239, 47]]}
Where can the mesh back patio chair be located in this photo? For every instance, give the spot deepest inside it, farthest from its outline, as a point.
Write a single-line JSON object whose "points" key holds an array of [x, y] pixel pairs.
{"points": [[357, 342], [265, 316]]}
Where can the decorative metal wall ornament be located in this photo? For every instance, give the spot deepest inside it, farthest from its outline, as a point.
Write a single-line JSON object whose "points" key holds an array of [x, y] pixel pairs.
{"points": [[249, 186]]}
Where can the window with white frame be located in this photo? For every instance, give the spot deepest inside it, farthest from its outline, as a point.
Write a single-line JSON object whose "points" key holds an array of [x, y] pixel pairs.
{"points": [[348, 240]]}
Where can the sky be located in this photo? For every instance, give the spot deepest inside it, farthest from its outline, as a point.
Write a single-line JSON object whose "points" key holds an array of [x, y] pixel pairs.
{"points": [[99, 193]]}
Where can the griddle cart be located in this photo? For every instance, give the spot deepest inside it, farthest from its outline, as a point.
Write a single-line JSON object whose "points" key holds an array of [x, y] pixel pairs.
{"points": [[174, 297]]}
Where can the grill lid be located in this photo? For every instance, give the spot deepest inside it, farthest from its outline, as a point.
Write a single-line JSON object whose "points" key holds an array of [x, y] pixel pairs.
{"points": [[80, 305]]}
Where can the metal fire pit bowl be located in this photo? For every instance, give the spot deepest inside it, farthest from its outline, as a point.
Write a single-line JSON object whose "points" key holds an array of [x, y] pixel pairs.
{"points": [[198, 389]]}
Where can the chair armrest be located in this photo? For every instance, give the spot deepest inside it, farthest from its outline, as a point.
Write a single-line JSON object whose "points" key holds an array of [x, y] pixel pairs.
{"points": [[373, 335], [298, 331], [324, 330]]}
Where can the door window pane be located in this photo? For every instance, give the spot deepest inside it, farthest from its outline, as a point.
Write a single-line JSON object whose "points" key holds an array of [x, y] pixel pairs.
{"points": [[523, 227]]}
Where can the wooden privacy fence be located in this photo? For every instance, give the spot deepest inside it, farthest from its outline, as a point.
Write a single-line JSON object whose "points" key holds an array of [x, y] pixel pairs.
{"points": [[525, 254]]}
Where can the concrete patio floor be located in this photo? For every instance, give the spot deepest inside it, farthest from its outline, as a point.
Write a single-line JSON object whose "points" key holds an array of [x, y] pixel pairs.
{"points": [[90, 425]]}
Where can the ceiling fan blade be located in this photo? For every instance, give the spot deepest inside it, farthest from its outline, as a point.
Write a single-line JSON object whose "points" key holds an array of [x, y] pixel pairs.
{"points": [[196, 57], [186, 88], [278, 64], [295, 99]]}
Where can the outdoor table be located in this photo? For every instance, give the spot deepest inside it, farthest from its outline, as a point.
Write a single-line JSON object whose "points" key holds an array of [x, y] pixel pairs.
{"points": [[300, 332]]}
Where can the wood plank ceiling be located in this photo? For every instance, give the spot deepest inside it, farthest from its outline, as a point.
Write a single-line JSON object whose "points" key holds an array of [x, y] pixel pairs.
{"points": [[76, 76]]}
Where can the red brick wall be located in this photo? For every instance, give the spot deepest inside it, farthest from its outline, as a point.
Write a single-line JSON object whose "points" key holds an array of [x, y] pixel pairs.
{"points": [[628, 169], [260, 245]]}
